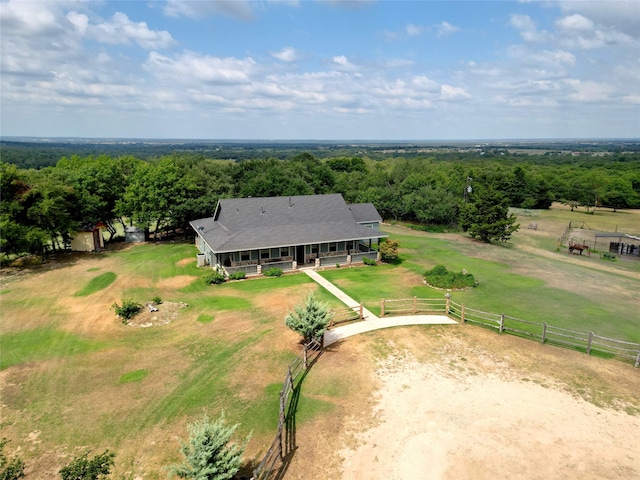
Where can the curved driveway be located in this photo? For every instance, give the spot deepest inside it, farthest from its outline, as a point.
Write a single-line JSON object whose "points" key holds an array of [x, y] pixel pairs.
{"points": [[371, 321]]}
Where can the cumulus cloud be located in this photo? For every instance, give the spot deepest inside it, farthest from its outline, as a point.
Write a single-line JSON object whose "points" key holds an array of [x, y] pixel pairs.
{"points": [[121, 30], [622, 16], [287, 54], [194, 68], [445, 28], [528, 29]]}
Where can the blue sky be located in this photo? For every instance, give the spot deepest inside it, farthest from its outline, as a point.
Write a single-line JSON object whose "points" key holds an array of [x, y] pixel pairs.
{"points": [[326, 70]]}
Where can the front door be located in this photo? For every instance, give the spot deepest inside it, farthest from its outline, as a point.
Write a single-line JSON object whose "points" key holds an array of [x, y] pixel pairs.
{"points": [[300, 254]]}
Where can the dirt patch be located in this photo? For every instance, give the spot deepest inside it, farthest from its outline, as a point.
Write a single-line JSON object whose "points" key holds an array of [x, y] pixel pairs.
{"points": [[153, 315], [463, 402]]}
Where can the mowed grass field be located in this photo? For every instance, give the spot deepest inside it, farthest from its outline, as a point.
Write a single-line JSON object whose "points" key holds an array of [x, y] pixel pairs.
{"points": [[74, 378]]}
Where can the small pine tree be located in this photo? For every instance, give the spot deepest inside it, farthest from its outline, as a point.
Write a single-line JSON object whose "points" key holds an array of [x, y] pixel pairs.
{"points": [[309, 320], [207, 453], [84, 468]]}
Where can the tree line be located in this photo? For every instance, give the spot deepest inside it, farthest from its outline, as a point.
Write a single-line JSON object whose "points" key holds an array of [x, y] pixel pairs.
{"points": [[41, 209]]}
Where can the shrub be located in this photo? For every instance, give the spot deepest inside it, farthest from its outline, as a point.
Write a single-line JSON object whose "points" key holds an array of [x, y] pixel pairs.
{"points": [[215, 277], [83, 468], [10, 469], [389, 251], [127, 310], [157, 300], [237, 276], [440, 277], [369, 261], [272, 272]]}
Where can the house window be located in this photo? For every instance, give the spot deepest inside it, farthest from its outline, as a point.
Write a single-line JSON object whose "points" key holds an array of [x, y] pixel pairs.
{"points": [[314, 249], [349, 245], [264, 254], [284, 251], [254, 254], [324, 247], [341, 246], [275, 252], [333, 247], [245, 256]]}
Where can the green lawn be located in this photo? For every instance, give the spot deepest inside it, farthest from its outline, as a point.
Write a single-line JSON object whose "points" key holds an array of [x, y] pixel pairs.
{"points": [[131, 389]]}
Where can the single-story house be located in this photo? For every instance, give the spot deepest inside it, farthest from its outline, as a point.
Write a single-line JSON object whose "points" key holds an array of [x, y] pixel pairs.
{"points": [[251, 234], [87, 239]]}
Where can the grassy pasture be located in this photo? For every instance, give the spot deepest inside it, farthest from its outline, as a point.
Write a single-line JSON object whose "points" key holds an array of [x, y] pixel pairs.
{"points": [[73, 376]]}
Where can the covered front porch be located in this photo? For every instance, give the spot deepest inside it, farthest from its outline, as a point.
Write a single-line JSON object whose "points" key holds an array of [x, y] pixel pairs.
{"points": [[288, 258]]}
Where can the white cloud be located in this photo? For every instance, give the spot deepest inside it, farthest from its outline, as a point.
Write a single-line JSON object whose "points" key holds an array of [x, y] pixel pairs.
{"points": [[240, 9], [413, 30], [528, 29], [192, 68], [121, 30], [342, 63], [622, 16], [578, 31], [448, 92], [445, 28], [287, 54]]}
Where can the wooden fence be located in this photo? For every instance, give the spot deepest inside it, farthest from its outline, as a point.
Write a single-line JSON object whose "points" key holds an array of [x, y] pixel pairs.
{"points": [[346, 315], [284, 441], [588, 342], [413, 306]]}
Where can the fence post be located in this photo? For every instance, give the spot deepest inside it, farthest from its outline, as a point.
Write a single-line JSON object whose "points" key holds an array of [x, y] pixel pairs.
{"points": [[415, 301], [501, 325], [448, 302], [589, 343], [382, 309], [304, 350], [544, 332], [462, 314], [361, 315], [637, 360]]}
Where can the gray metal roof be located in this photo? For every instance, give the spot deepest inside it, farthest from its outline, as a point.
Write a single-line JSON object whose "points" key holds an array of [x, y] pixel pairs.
{"points": [[264, 222]]}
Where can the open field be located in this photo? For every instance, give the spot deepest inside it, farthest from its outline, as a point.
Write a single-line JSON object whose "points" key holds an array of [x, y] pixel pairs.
{"points": [[75, 378]]}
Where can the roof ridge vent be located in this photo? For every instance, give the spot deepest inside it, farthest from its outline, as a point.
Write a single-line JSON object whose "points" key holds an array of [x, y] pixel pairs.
{"points": [[291, 204], [262, 210]]}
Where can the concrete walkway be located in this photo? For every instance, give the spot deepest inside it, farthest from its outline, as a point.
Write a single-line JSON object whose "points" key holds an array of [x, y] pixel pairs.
{"points": [[371, 322]]}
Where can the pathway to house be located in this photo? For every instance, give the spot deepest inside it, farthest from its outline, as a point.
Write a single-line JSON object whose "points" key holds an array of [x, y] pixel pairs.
{"points": [[371, 321]]}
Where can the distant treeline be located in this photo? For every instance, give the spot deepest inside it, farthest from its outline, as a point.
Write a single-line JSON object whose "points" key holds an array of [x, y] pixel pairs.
{"points": [[40, 209], [40, 154]]}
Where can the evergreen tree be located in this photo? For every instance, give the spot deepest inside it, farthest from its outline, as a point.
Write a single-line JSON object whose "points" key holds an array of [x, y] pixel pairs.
{"points": [[207, 454], [309, 320], [487, 216]]}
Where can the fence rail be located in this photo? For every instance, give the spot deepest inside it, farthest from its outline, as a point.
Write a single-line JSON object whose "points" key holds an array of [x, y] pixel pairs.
{"points": [[333, 260], [284, 441], [412, 306], [346, 315], [248, 269], [588, 342]]}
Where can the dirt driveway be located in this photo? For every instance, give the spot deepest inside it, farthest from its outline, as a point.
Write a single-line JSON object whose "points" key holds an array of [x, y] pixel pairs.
{"points": [[463, 402]]}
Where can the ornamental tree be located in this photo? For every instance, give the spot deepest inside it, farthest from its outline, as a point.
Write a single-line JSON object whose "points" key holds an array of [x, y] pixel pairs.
{"points": [[208, 454], [309, 320]]}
